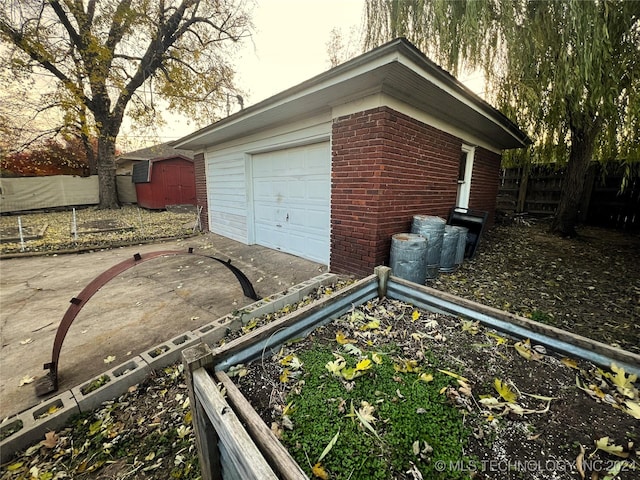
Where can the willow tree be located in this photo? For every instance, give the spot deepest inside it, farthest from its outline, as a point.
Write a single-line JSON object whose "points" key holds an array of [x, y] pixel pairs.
{"points": [[116, 57], [568, 72]]}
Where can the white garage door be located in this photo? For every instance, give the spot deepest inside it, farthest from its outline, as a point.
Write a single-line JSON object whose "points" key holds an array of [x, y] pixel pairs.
{"points": [[291, 196]]}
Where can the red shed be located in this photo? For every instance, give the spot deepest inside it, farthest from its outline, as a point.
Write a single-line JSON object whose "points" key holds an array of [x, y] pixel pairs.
{"points": [[165, 181]]}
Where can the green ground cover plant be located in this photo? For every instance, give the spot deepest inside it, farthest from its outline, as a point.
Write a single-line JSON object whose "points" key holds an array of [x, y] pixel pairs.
{"points": [[385, 421]]}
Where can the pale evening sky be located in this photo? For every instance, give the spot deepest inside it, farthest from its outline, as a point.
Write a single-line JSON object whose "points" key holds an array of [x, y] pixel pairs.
{"points": [[288, 46]]}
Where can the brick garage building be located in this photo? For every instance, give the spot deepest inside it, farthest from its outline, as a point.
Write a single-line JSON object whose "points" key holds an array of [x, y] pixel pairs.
{"points": [[331, 168]]}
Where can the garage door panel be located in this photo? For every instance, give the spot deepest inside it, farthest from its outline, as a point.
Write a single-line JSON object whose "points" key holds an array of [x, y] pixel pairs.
{"points": [[291, 195], [226, 195], [262, 191], [317, 188], [304, 246], [229, 225], [266, 213], [272, 237], [307, 218]]}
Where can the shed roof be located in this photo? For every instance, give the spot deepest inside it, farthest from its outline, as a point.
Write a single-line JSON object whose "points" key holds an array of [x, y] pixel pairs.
{"points": [[156, 152], [397, 69]]}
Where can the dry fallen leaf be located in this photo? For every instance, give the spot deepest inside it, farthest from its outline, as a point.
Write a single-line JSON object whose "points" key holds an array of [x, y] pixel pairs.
{"points": [[617, 450], [364, 364], [499, 340], [633, 408], [109, 359], [342, 339], [26, 379], [26, 342], [237, 371], [570, 362], [579, 462], [504, 391], [329, 446], [470, 327], [416, 447], [50, 440], [366, 411], [623, 383], [276, 430], [525, 350], [319, 472], [464, 388]]}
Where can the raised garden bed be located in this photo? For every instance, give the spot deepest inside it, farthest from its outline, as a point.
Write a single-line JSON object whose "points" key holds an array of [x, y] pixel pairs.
{"points": [[393, 389]]}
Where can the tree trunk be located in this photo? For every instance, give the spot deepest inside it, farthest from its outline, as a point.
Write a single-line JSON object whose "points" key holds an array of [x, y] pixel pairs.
{"points": [[91, 156], [568, 212], [107, 172]]}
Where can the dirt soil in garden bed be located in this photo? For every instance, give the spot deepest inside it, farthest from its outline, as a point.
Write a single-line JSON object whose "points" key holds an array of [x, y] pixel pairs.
{"points": [[589, 285], [528, 413]]}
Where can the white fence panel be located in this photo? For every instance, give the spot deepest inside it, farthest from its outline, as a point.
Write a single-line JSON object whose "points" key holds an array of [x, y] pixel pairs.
{"points": [[31, 193], [126, 189]]}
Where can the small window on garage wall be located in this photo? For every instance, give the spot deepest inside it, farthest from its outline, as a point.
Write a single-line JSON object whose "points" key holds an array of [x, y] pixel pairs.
{"points": [[464, 176]]}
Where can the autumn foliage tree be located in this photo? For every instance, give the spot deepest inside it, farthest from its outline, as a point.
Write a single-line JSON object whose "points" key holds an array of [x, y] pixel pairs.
{"points": [[567, 71], [50, 157], [103, 53]]}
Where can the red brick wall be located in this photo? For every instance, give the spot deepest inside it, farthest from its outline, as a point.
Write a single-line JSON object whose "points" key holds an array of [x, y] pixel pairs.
{"points": [[201, 189], [485, 181], [386, 168]]}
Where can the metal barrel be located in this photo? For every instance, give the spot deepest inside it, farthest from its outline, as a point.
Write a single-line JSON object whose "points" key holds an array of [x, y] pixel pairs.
{"points": [[449, 249], [462, 244], [432, 228], [408, 255]]}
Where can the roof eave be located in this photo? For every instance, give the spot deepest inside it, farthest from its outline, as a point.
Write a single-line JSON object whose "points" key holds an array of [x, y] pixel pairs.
{"points": [[395, 50]]}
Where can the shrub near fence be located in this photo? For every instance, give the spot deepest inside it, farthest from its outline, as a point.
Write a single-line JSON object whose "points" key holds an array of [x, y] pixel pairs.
{"points": [[537, 191], [34, 193]]}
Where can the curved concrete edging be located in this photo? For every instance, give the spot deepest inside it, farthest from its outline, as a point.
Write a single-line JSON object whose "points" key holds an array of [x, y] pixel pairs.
{"points": [[35, 422]]}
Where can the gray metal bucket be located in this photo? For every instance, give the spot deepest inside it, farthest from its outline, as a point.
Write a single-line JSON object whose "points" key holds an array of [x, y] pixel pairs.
{"points": [[433, 271], [408, 256], [449, 249], [462, 244], [432, 228]]}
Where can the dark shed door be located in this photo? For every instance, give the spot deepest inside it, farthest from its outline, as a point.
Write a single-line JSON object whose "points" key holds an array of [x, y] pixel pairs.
{"points": [[179, 183]]}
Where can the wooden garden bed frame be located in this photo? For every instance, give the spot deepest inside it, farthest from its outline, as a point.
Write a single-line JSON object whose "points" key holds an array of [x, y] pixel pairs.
{"points": [[234, 442]]}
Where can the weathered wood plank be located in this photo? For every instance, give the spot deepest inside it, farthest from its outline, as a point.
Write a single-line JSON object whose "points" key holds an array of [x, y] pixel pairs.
{"points": [[244, 456], [194, 358], [266, 441]]}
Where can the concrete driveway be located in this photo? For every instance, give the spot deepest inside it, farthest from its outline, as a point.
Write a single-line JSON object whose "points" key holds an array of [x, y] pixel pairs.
{"points": [[142, 307]]}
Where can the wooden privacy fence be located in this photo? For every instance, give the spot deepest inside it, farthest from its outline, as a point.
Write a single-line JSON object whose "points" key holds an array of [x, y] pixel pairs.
{"points": [[536, 190]]}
